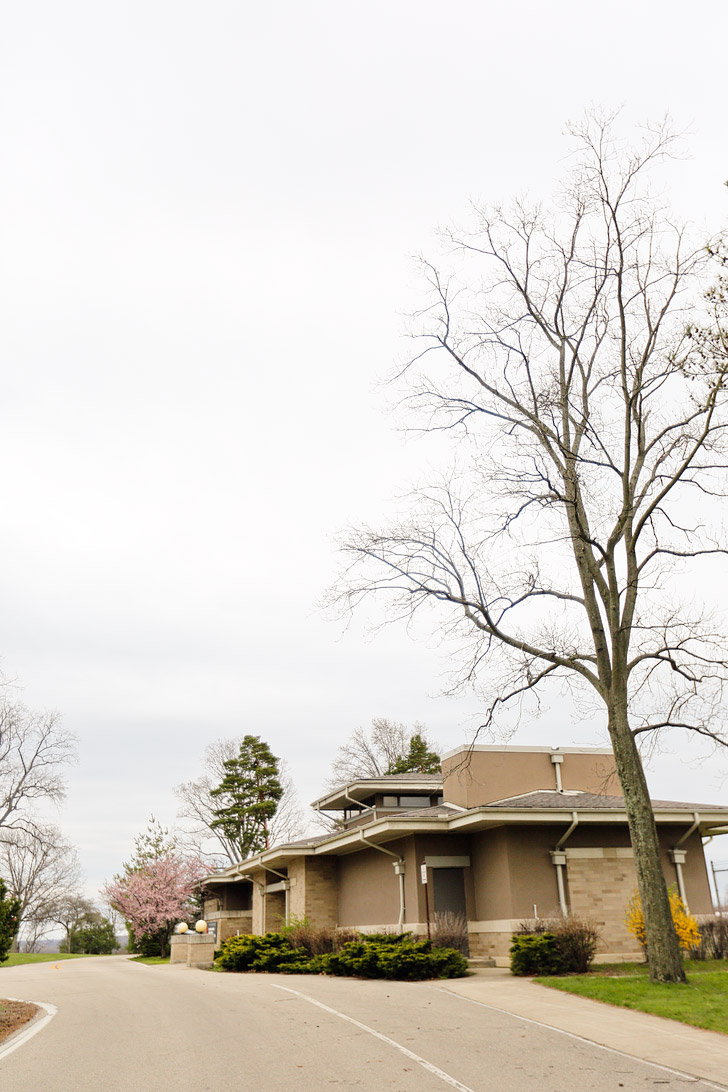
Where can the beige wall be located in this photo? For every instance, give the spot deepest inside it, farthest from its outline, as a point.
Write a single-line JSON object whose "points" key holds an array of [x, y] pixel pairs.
{"points": [[511, 869], [533, 875], [436, 845], [491, 875], [695, 871], [475, 778], [369, 887]]}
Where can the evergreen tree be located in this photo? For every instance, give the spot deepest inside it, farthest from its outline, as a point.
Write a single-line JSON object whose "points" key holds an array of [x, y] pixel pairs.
{"points": [[9, 920], [93, 935], [151, 845], [419, 759], [249, 794]]}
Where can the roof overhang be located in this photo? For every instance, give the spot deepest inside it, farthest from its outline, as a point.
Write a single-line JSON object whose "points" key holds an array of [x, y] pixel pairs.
{"points": [[507, 748], [355, 791], [390, 828]]}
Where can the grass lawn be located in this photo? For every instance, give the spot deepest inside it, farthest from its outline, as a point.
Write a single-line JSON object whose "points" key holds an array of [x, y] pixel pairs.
{"points": [[15, 959], [150, 960], [703, 1002]]}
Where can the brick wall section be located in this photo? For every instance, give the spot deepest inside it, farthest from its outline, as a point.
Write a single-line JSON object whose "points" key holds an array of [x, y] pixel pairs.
{"points": [[489, 945], [275, 911], [313, 894], [321, 898], [230, 923], [599, 889]]}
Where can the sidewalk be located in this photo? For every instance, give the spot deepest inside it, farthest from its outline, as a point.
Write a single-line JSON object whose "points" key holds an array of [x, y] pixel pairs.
{"points": [[664, 1042]]}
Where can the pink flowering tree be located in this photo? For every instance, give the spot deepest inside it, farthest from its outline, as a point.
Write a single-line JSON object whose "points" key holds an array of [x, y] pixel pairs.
{"points": [[153, 897]]}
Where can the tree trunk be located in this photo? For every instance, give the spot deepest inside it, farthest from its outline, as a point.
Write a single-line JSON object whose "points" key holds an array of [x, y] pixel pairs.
{"points": [[663, 950]]}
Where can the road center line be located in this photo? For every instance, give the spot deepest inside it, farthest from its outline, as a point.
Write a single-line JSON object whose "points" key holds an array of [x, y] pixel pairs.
{"points": [[384, 1038]]}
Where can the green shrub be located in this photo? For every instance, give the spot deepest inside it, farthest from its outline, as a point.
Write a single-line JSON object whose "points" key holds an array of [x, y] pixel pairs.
{"points": [[536, 953], [9, 920], [575, 942], [270, 952], [93, 937], [391, 956], [402, 958]]}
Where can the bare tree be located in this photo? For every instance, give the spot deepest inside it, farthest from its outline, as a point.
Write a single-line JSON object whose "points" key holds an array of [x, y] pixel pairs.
{"points": [[34, 748], [42, 870], [198, 808], [589, 405], [373, 752], [69, 910]]}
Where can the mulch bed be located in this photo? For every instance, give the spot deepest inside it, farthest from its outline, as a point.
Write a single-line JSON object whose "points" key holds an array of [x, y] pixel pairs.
{"points": [[13, 1014]]}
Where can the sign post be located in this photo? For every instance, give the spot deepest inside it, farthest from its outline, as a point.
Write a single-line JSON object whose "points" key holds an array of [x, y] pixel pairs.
{"points": [[423, 878]]}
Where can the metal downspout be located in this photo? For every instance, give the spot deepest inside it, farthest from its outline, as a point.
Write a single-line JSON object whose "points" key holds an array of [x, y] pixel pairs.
{"points": [[399, 871], [692, 829], [678, 858], [358, 803], [559, 859], [286, 889]]}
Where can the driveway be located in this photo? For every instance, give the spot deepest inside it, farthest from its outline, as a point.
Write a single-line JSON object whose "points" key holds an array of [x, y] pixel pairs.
{"points": [[122, 1027]]}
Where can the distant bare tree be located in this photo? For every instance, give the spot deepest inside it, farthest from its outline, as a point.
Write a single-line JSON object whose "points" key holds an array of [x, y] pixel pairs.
{"points": [[34, 749], [571, 356], [69, 910], [41, 868], [373, 752], [197, 808]]}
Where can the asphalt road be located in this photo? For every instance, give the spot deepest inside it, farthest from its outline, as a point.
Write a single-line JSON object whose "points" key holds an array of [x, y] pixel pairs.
{"points": [[122, 1027]]}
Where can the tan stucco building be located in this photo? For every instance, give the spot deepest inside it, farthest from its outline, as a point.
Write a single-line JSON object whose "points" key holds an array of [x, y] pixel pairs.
{"points": [[506, 834]]}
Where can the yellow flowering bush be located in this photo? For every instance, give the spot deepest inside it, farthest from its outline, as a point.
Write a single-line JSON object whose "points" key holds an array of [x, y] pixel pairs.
{"points": [[686, 927]]}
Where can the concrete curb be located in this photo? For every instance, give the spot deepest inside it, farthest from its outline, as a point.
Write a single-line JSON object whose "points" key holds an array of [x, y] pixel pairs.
{"points": [[672, 1046], [32, 1027]]}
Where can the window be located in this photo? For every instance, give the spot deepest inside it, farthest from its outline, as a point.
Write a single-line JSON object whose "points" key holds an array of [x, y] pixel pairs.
{"points": [[405, 801]]}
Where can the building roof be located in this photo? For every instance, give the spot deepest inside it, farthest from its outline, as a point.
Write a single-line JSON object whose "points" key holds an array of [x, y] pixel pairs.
{"points": [[357, 790], [436, 810], [542, 807], [544, 799], [510, 748]]}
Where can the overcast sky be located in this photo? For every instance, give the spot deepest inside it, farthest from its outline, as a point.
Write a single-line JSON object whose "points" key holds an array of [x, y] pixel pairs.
{"points": [[208, 219]]}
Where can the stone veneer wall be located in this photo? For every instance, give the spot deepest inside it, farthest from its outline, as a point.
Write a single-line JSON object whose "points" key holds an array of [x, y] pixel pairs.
{"points": [[230, 923], [489, 945], [314, 894], [601, 883], [194, 949]]}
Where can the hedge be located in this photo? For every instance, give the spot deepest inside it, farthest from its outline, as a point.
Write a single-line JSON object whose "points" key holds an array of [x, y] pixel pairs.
{"points": [[395, 956]]}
